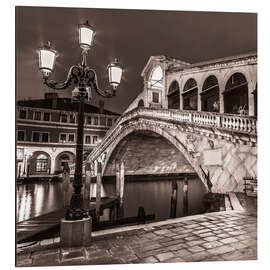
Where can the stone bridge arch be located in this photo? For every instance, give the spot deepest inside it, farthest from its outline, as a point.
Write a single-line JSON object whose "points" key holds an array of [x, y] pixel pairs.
{"points": [[168, 134]]}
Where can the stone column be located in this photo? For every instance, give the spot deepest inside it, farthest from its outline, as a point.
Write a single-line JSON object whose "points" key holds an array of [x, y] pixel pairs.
{"points": [[221, 98], [251, 103]]}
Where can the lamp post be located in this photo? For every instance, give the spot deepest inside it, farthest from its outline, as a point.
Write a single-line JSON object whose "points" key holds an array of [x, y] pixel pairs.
{"points": [[85, 81]]}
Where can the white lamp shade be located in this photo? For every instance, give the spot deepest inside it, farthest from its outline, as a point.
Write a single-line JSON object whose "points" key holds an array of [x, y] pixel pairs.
{"points": [[86, 35], [47, 57], [115, 73]]}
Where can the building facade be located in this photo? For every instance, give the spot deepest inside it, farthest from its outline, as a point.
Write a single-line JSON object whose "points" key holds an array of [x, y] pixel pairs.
{"points": [[46, 133], [227, 85]]}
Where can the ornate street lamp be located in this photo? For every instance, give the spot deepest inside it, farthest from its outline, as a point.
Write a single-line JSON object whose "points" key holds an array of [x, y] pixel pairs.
{"points": [[84, 80]]}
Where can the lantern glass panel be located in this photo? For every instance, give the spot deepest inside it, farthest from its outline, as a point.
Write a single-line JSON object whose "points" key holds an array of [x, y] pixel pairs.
{"points": [[115, 74], [86, 37], [47, 59]]}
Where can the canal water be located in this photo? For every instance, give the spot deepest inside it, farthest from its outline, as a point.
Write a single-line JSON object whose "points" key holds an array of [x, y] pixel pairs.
{"points": [[35, 199]]}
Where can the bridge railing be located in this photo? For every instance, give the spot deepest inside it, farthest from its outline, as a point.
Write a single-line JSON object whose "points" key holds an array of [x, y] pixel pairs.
{"points": [[232, 122]]}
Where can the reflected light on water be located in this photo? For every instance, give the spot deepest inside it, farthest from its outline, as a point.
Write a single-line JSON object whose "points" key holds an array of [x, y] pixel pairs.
{"points": [[24, 204]]}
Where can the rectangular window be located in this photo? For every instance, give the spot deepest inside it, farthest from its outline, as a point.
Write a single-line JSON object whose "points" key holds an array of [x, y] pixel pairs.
{"points": [[22, 114], [155, 97], [63, 118], [102, 121], [71, 118], [95, 120], [46, 116], [87, 139], [30, 114], [35, 136], [63, 137], [37, 115], [21, 135], [95, 139], [109, 122], [45, 137], [88, 120], [70, 137]]}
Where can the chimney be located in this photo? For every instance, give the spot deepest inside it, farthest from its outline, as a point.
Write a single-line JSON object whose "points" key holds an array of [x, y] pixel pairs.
{"points": [[101, 106], [53, 96]]}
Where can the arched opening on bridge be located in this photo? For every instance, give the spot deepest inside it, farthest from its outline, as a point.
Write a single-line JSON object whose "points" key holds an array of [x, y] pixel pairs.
{"points": [[210, 95], [236, 95], [140, 103], [174, 96], [255, 101], [62, 158], [151, 164], [190, 95], [39, 164], [156, 78]]}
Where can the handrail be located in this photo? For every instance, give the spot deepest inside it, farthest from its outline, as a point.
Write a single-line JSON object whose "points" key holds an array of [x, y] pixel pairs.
{"points": [[231, 122]]}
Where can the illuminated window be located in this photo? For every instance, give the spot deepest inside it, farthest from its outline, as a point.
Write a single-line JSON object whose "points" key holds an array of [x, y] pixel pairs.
{"points": [[156, 80], [42, 163], [95, 139], [71, 137]]}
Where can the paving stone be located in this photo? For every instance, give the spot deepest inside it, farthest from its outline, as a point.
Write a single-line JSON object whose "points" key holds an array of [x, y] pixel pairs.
{"points": [[211, 238], [239, 255], [153, 252], [181, 236], [213, 244], [95, 254], [207, 234], [129, 258], [242, 237], [72, 255], [46, 260], [228, 240], [151, 247], [196, 249], [182, 253], [202, 231], [150, 259], [191, 238], [174, 260], [196, 257], [177, 247], [103, 260], [46, 252], [162, 232], [173, 242], [165, 256], [238, 245], [192, 226], [221, 250], [195, 243], [23, 261]]}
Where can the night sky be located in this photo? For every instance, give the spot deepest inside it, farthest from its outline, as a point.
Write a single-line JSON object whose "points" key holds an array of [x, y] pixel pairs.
{"points": [[130, 35]]}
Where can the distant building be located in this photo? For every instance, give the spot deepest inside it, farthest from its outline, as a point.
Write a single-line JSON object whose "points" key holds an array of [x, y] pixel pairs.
{"points": [[46, 133]]}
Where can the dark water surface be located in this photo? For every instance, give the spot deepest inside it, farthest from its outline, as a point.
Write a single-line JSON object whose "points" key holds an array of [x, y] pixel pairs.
{"points": [[155, 196]]}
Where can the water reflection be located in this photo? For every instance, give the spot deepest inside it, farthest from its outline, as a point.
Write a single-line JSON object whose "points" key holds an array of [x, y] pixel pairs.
{"points": [[155, 196]]}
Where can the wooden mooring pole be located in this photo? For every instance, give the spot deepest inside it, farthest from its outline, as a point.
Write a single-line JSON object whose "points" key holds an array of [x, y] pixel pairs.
{"points": [[174, 199], [185, 197], [98, 191]]}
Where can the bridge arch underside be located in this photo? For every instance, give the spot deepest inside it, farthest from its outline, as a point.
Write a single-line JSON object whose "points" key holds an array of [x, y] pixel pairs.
{"points": [[147, 153]]}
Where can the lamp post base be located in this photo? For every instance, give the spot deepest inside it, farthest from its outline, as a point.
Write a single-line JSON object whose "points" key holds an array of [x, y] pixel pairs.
{"points": [[75, 233]]}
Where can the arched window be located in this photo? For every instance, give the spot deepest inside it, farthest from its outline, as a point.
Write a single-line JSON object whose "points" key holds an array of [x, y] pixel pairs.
{"points": [[210, 95], [62, 158], [236, 95], [156, 80], [174, 96], [140, 103], [190, 95], [42, 163]]}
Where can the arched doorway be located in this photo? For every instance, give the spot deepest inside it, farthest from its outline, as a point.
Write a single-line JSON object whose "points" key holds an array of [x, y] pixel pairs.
{"points": [[190, 95], [236, 95], [140, 103], [210, 95], [174, 96], [39, 164], [62, 158]]}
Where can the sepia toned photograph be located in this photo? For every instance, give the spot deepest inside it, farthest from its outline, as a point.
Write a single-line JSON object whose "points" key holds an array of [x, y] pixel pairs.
{"points": [[136, 136]]}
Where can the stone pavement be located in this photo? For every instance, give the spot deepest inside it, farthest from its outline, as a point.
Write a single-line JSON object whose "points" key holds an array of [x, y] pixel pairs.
{"points": [[220, 236]]}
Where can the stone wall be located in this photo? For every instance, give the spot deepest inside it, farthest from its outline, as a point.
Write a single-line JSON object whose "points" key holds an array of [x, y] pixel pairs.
{"points": [[148, 154]]}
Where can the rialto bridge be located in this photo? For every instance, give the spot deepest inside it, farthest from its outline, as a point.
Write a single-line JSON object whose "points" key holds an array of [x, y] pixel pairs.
{"points": [[220, 148], [198, 118]]}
